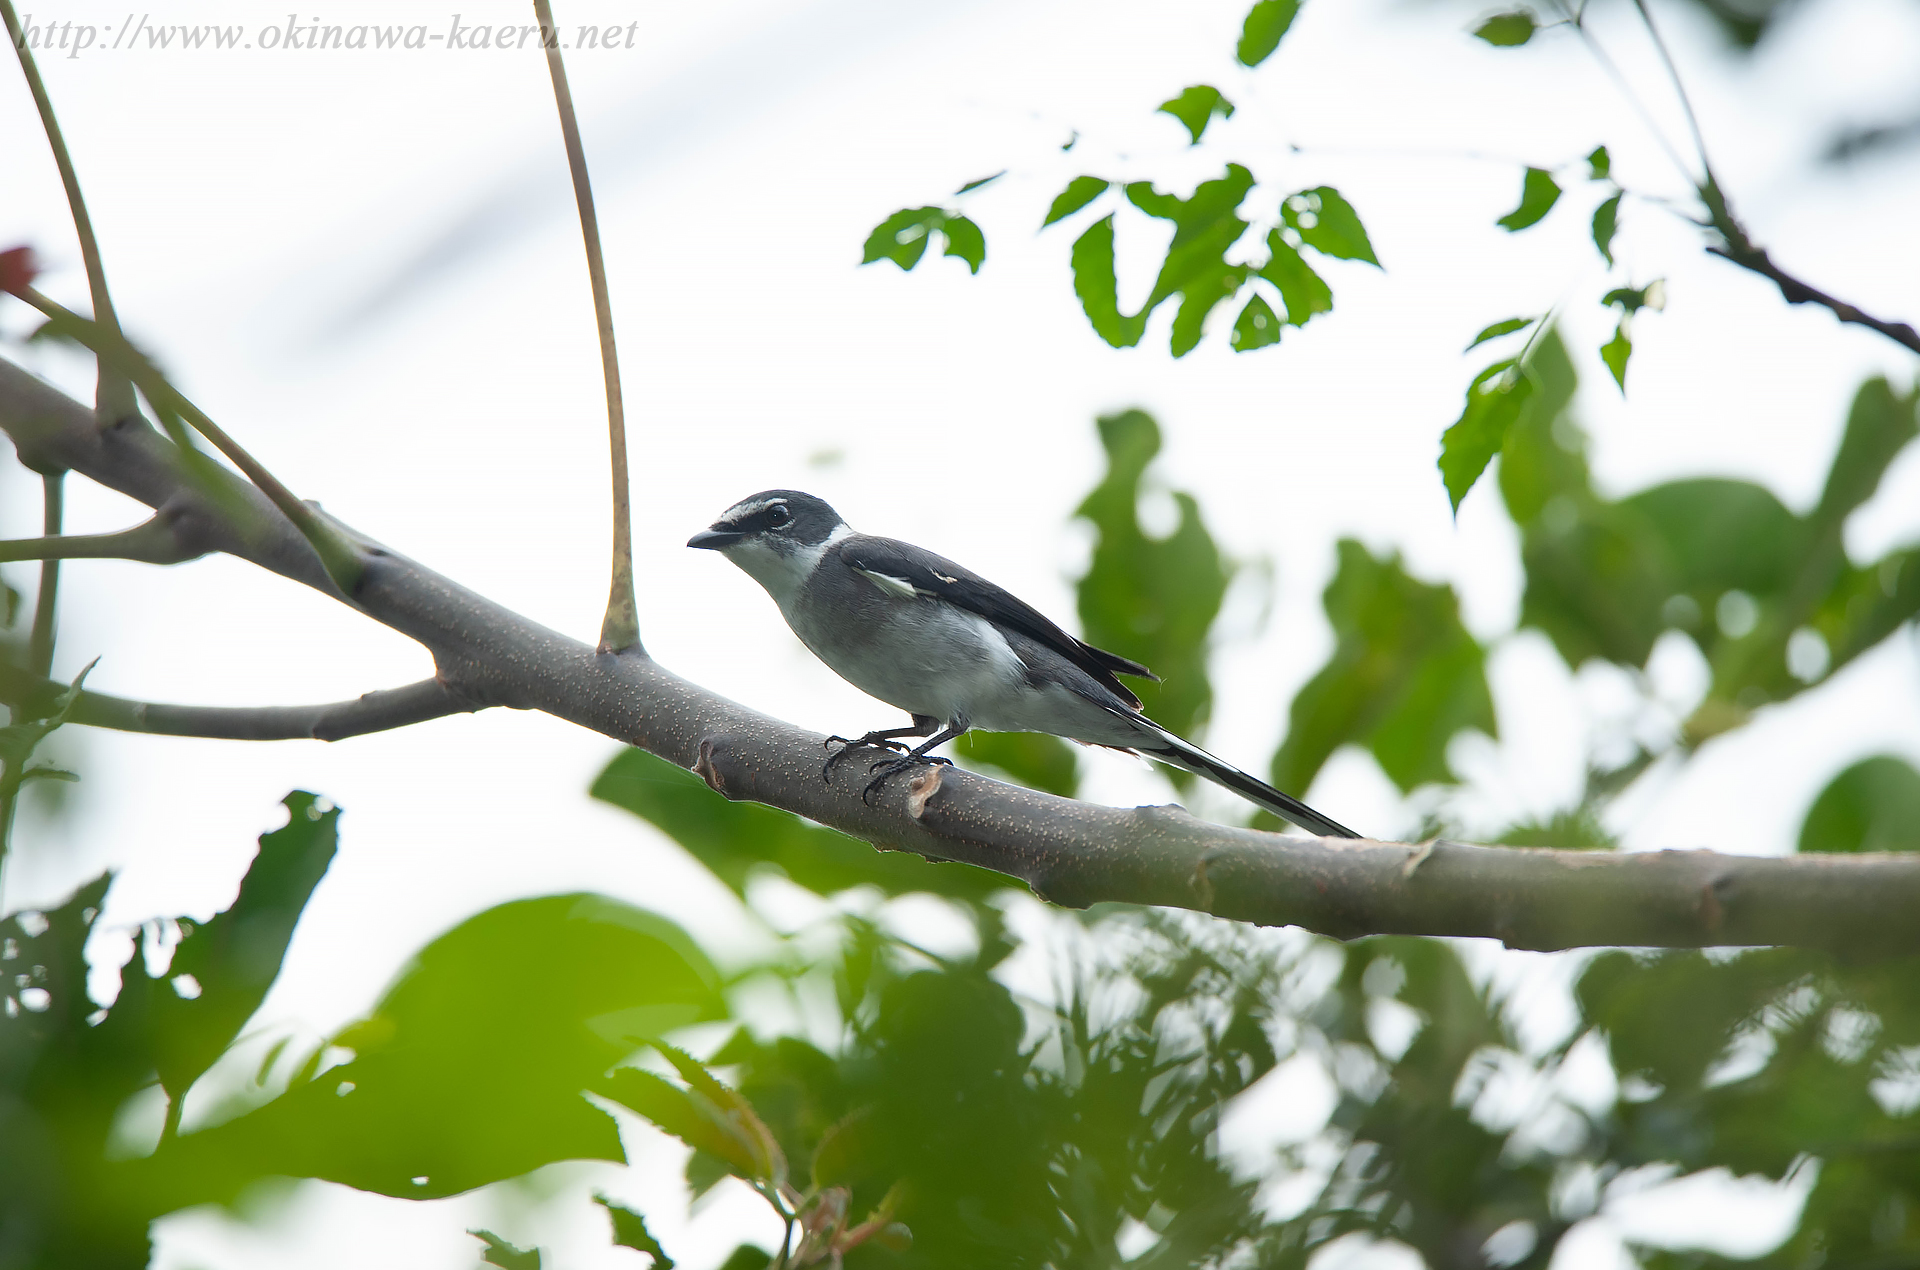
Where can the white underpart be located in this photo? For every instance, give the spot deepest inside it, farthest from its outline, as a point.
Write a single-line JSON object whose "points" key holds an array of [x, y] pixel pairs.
{"points": [[780, 572]]}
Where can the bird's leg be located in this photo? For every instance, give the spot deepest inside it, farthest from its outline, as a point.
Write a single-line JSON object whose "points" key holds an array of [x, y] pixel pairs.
{"points": [[915, 757], [883, 739]]}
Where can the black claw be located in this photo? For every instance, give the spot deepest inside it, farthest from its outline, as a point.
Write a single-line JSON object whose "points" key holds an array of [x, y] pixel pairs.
{"points": [[894, 767], [850, 744]]}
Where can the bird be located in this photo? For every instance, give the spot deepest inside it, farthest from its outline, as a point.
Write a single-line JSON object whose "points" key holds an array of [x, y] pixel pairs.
{"points": [[950, 648]]}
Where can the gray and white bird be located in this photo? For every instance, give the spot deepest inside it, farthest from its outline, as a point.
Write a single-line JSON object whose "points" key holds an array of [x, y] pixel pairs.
{"points": [[949, 647]]}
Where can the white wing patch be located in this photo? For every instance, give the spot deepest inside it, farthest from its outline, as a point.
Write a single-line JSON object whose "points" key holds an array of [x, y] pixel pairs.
{"points": [[899, 588]]}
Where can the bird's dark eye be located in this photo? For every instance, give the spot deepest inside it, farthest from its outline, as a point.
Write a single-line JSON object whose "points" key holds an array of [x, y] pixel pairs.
{"points": [[778, 515]]}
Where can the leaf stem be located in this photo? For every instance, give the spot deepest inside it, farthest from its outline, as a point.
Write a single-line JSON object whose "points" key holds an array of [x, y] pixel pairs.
{"points": [[40, 642], [620, 628], [113, 395], [338, 556]]}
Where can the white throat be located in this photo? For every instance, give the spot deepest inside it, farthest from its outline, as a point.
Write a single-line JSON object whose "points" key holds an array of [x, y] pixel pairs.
{"points": [[783, 573]]}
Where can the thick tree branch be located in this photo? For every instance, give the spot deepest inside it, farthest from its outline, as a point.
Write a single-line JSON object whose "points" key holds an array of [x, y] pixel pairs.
{"points": [[1072, 852]]}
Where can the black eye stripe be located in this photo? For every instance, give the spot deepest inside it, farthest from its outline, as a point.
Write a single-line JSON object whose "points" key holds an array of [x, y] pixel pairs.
{"points": [[777, 516]]}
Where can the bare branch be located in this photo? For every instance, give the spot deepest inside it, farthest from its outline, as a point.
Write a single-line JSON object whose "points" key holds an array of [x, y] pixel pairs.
{"points": [[1074, 853], [150, 542], [46, 604], [1741, 251], [620, 628], [381, 711]]}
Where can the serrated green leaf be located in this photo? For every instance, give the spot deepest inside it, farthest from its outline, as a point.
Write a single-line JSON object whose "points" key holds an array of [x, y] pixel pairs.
{"points": [[1327, 223], [1606, 219], [687, 1115], [1506, 326], [1494, 400], [1257, 326], [1302, 290], [1080, 191], [1874, 805], [1265, 27], [1196, 107], [1404, 677], [1538, 193], [1508, 30], [630, 1231], [1600, 164], [1099, 293], [1615, 353]]}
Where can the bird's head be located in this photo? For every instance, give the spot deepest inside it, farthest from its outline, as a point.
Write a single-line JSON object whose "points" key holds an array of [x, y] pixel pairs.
{"points": [[777, 536]]}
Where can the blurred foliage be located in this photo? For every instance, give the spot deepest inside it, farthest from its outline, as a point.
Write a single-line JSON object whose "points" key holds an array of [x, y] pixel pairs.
{"points": [[1405, 676], [1151, 599], [1872, 806], [469, 1070]]}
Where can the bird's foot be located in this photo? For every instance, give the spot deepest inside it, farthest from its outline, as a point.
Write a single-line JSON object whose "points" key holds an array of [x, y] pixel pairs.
{"points": [[894, 767], [849, 744]]}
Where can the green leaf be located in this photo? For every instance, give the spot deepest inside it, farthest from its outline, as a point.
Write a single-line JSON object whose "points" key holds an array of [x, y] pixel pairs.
{"points": [[498, 1252], [1505, 327], [1257, 327], [1633, 299], [1266, 25], [1880, 424], [1538, 193], [1494, 401], [1600, 164], [1615, 353], [903, 237], [1206, 226], [1093, 282], [1151, 599], [733, 838], [1034, 759], [1606, 219], [1327, 223], [970, 186], [965, 241], [686, 1114], [1302, 290], [1404, 677], [1508, 30], [472, 1066], [630, 1231], [236, 956], [1080, 191], [1196, 107], [1874, 805]]}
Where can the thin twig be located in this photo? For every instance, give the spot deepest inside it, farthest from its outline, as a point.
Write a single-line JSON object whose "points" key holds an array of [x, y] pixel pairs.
{"points": [[1742, 252], [113, 396], [380, 711], [150, 542], [620, 628], [1680, 90], [337, 555], [1619, 79], [45, 605]]}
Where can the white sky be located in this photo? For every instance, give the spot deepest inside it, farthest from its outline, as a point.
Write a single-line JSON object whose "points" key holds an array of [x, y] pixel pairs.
{"points": [[257, 208]]}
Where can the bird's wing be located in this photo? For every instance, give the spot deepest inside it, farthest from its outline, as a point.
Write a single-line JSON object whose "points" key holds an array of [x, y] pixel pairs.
{"points": [[904, 570]]}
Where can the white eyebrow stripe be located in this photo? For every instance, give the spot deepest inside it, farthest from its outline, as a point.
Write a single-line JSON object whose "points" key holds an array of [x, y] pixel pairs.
{"points": [[741, 511], [899, 588]]}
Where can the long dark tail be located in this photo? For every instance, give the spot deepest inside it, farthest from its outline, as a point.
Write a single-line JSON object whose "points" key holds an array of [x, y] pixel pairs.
{"points": [[1171, 750]]}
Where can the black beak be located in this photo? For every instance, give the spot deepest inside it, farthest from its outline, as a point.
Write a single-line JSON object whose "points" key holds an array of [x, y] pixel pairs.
{"points": [[715, 539]]}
